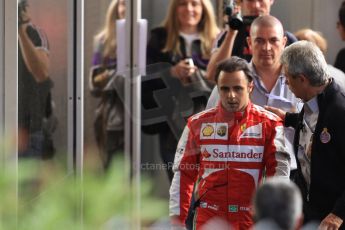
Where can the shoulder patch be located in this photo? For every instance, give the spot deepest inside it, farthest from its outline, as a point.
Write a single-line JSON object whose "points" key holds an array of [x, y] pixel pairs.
{"points": [[206, 113]]}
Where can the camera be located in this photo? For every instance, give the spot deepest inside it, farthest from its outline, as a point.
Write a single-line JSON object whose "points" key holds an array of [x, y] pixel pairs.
{"points": [[22, 4], [236, 21]]}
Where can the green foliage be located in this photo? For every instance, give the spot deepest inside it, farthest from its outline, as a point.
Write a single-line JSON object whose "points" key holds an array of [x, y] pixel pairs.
{"points": [[50, 199]]}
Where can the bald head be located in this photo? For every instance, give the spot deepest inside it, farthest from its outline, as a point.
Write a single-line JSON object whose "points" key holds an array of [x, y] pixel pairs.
{"points": [[267, 42], [266, 21]]}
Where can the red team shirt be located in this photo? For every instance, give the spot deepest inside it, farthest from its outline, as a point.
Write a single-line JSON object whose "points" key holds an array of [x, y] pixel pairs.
{"points": [[226, 154]]}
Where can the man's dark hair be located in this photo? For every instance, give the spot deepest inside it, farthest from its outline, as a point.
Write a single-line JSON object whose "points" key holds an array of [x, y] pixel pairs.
{"points": [[234, 64], [342, 14], [23, 3]]}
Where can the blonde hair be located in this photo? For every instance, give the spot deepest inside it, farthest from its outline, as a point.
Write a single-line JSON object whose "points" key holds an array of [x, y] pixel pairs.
{"points": [[312, 36], [108, 35], [207, 28]]}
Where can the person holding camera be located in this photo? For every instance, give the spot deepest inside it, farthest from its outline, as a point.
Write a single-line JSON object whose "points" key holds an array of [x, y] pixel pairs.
{"points": [[34, 84], [233, 42], [185, 41]]}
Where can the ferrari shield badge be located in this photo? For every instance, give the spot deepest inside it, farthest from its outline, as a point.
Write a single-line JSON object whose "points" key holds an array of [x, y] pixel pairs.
{"points": [[325, 137]]}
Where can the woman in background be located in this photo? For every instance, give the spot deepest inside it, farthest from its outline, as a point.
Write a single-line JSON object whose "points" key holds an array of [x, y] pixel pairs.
{"points": [[109, 113], [184, 40]]}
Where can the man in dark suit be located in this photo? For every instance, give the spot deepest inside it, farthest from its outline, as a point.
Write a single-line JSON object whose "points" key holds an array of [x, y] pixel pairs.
{"points": [[319, 142]]}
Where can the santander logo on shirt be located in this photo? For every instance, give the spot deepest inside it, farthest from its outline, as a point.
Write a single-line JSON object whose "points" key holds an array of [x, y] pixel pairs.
{"points": [[235, 153], [219, 154]]}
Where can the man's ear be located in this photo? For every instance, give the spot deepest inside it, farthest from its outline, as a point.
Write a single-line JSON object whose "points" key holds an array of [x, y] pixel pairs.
{"points": [[302, 78], [250, 87], [249, 42], [284, 41]]}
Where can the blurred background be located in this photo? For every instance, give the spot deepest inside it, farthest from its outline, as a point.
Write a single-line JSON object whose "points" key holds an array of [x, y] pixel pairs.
{"points": [[55, 178]]}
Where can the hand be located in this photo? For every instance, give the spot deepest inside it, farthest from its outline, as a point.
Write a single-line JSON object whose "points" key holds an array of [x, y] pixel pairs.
{"points": [[23, 22], [331, 222], [23, 18], [279, 112], [101, 79], [183, 71]]}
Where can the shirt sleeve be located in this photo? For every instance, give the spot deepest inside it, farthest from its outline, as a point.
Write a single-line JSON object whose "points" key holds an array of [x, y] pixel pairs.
{"points": [[277, 158], [38, 37], [213, 99], [186, 169]]}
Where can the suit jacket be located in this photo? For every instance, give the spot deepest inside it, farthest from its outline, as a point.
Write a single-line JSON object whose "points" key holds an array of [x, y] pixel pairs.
{"points": [[327, 187]]}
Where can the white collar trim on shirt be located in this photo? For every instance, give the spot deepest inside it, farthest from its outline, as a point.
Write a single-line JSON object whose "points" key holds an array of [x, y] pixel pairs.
{"points": [[312, 105]]}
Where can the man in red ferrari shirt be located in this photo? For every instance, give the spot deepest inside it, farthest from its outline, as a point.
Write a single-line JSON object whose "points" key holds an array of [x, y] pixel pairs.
{"points": [[225, 152]]}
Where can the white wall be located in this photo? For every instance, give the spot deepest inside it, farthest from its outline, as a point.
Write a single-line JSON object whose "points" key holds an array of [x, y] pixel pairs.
{"points": [[318, 15]]}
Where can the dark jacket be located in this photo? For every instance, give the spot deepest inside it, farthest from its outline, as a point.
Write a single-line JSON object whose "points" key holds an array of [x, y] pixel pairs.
{"points": [[157, 42], [327, 187], [340, 60]]}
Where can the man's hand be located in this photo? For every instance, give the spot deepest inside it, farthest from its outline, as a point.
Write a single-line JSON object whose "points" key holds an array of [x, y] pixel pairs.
{"points": [[331, 222], [279, 112], [36, 60]]}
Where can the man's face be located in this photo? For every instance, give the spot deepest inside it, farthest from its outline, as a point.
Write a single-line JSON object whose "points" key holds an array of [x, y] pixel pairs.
{"points": [[267, 44], [234, 90], [256, 7]]}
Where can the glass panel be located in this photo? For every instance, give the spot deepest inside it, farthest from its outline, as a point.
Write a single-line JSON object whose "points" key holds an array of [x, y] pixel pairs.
{"points": [[2, 70], [106, 166], [173, 90], [8, 177], [44, 50]]}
